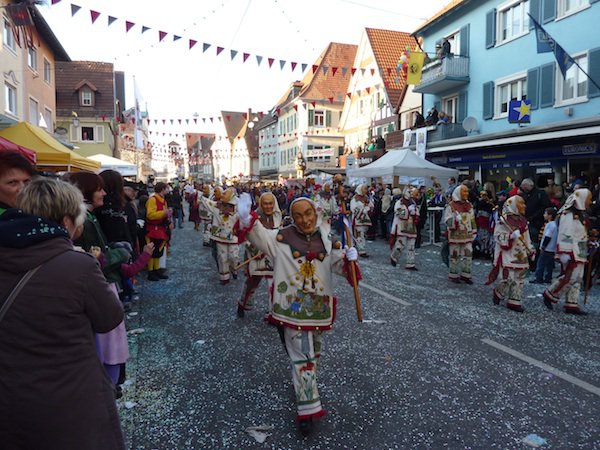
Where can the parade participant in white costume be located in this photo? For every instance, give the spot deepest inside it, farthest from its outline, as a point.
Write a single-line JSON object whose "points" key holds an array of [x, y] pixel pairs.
{"points": [[260, 265], [460, 221], [511, 255], [302, 304], [404, 228], [360, 206], [571, 251], [205, 215], [327, 206], [221, 233]]}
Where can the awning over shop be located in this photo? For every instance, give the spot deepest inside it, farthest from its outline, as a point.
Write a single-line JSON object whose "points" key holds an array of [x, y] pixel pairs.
{"points": [[5, 144], [49, 152], [125, 168]]}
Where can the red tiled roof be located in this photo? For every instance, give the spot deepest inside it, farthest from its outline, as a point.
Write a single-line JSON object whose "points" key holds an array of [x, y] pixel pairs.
{"points": [[449, 7], [236, 126], [387, 46]]}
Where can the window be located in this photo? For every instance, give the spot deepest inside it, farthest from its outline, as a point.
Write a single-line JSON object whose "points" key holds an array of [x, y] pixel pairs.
{"points": [[568, 7], [515, 89], [573, 88], [7, 36], [34, 111], [86, 97], [10, 94], [47, 71], [32, 58], [319, 118], [513, 21], [48, 119], [449, 106]]}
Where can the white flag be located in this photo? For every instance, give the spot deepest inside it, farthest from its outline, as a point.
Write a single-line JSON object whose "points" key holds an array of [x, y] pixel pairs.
{"points": [[138, 136]]}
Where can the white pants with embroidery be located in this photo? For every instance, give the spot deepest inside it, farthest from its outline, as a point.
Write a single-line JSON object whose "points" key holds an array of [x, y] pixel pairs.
{"points": [[404, 243], [228, 257]]}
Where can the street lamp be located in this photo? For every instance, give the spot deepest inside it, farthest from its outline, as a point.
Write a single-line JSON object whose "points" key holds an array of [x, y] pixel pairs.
{"points": [[75, 119]]}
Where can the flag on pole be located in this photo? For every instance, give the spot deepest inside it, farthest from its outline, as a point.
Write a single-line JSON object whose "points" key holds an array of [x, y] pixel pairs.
{"points": [[546, 43], [415, 67], [138, 136]]}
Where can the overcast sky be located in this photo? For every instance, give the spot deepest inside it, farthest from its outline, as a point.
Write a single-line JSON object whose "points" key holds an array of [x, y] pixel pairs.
{"points": [[177, 82]]}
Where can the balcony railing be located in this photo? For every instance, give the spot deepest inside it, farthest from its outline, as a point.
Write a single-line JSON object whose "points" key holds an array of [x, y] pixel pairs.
{"points": [[443, 74]]}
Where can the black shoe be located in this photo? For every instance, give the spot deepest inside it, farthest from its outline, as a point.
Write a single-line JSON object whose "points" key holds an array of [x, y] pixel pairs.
{"points": [[153, 276], [162, 274], [393, 263], [305, 426], [575, 311]]}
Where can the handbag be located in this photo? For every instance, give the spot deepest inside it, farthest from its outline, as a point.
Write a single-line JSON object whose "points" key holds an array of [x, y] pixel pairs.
{"points": [[20, 285]]}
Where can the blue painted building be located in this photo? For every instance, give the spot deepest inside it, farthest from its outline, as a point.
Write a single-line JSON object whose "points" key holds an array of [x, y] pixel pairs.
{"points": [[492, 59]]}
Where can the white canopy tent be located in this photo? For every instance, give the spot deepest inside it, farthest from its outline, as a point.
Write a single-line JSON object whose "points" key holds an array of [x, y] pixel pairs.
{"points": [[125, 168], [405, 164]]}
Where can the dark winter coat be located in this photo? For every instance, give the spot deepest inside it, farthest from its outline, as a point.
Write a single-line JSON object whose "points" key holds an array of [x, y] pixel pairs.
{"points": [[54, 392]]}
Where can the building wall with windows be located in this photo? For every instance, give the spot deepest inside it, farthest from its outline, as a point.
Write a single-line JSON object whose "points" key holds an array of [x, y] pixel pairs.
{"points": [[12, 74]]}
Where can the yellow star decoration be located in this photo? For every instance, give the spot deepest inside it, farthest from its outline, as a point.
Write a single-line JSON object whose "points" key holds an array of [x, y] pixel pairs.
{"points": [[523, 110]]}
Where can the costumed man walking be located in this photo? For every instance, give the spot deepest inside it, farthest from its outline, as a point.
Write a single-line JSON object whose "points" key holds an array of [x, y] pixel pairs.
{"points": [[461, 228], [571, 251], [511, 255], [404, 228], [302, 305], [158, 220], [205, 216], [360, 205], [327, 206], [259, 265], [221, 233]]}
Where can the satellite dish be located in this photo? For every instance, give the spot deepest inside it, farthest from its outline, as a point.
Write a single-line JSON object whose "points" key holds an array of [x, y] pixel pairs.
{"points": [[470, 124]]}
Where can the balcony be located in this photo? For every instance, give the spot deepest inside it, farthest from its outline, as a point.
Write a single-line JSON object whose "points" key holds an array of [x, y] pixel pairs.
{"points": [[443, 75]]}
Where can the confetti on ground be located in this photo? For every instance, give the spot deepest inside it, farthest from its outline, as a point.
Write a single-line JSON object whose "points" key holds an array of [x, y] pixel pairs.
{"points": [[130, 405], [260, 433], [373, 321], [200, 342], [534, 440], [135, 331]]}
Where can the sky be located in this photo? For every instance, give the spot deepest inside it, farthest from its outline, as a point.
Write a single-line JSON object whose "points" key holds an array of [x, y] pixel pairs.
{"points": [[177, 82]]}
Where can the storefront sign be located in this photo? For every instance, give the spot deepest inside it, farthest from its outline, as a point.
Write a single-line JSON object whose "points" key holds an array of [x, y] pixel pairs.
{"points": [[314, 152], [580, 149]]}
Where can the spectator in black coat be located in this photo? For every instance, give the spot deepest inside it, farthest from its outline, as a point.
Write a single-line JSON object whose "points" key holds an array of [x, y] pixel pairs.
{"points": [[536, 201]]}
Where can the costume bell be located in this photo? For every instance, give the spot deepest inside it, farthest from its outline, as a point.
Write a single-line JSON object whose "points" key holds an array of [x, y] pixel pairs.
{"points": [[221, 233], [260, 265], [511, 255], [302, 302], [461, 227], [404, 228], [571, 251], [360, 206]]}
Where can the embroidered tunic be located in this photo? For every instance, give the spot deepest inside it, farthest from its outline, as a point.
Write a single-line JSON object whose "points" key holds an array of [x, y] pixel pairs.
{"points": [[460, 219], [221, 230], [405, 221]]}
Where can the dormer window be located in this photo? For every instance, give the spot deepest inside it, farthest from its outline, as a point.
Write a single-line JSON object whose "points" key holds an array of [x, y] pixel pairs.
{"points": [[87, 98], [86, 92]]}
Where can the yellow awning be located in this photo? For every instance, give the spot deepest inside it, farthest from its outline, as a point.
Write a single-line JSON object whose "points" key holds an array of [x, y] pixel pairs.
{"points": [[49, 151]]}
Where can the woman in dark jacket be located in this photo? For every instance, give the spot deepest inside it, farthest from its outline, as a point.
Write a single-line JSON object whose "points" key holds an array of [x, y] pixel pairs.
{"points": [[54, 393], [111, 215]]}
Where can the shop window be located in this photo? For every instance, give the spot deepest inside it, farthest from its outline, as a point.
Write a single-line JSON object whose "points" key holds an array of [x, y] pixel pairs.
{"points": [[512, 21], [10, 96], [568, 7], [573, 87], [506, 91]]}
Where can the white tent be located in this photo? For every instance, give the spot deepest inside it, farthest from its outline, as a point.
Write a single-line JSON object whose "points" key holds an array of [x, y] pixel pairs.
{"points": [[404, 163], [125, 168]]}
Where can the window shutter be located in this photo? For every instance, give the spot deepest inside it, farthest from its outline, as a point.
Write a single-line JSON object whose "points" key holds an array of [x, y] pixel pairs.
{"points": [[74, 132], [533, 87], [490, 29], [461, 112], [488, 100], [311, 117], [327, 118], [594, 72], [99, 133], [464, 41], [535, 8], [547, 73], [548, 10]]}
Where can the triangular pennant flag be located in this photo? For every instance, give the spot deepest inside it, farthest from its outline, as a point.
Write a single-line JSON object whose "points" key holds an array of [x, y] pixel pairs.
{"points": [[164, 121], [313, 103], [295, 107], [192, 43], [344, 71], [372, 72], [330, 99], [363, 71], [259, 59], [171, 120], [325, 69], [54, 2], [161, 35], [145, 28], [293, 65], [303, 67], [111, 19], [271, 61], [74, 9], [179, 120], [349, 94], [333, 71], [353, 70], [176, 38], [128, 26], [195, 120], [205, 47], [204, 120], [95, 15], [233, 54], [278, 110], [368, 90], [155, 121], [219, 50], [315, 68], [281, 64], [187, 121], [245, 56]]}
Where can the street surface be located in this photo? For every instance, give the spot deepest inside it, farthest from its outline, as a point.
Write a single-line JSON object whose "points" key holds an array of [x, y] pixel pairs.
{"points": [[434, 365]]}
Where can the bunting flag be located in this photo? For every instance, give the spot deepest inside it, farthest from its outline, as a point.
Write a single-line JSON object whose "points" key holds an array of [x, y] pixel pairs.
{"points": [[94, 15], [281, 64], [205, 47], [315, 68], [128, 26], [74, 9], [304, 66], [161, 35], [54, 2], [271, 61], [293, 65], [546, 43], [333, 71], [344, 71], [192, 43], [245, 56], [145, 28], [176, 38], [259, 59], [219, 50], [325, 69], [233, 54], [111, 19]]}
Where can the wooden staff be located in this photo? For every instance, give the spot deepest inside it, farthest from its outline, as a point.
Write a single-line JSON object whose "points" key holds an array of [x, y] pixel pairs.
{"points": [[352, 263], [258, 255]]}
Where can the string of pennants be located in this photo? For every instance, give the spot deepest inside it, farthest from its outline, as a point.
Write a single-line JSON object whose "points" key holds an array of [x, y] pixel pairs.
{"points": [[162, 35]]}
